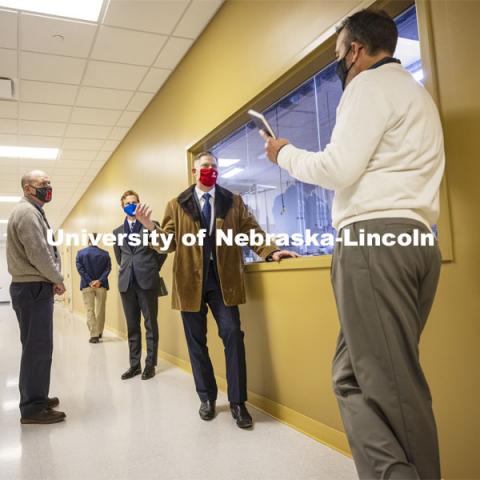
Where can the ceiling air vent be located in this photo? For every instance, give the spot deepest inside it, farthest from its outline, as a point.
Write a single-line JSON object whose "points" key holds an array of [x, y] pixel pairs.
{"points": [[8, 89]]}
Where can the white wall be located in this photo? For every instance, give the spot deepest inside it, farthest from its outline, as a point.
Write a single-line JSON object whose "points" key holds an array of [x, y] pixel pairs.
{"points": [[5, 277]]}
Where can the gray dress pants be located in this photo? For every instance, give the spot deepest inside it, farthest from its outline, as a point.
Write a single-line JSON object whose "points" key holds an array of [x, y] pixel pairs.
{"points": [[384, 295]]}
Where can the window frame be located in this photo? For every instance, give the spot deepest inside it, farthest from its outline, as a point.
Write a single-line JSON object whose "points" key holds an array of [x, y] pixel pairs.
{"points": [[322, 53]]}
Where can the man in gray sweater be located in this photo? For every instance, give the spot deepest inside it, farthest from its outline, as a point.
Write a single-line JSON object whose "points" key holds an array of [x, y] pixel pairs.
{"points": [[35, 269]]}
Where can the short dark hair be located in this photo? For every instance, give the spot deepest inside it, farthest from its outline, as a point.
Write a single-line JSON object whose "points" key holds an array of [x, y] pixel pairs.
{"points": [[374, 29], [127, 194], [94, 235]]}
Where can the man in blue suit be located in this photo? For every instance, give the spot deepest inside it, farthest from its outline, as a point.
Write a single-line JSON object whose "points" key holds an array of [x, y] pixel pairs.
{"points": [[94, 265]]}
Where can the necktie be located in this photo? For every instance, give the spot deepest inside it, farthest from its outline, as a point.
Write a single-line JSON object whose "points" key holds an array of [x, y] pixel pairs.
{"points": [[206, 211], [132, 226]]}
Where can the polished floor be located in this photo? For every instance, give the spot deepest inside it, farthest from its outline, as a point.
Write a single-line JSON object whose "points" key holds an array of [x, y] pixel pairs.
{"points": [[139, 429]]}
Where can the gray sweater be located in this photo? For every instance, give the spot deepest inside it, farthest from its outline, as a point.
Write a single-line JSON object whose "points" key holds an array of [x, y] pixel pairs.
{"points": [[29, 257]]}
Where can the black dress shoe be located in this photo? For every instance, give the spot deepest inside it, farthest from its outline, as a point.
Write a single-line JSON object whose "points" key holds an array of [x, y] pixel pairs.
{"points": [[94, 340], [207, 410], [131, 372], [241, 415], [44, 417], [53, 402], [148, 372], [100, 335]]}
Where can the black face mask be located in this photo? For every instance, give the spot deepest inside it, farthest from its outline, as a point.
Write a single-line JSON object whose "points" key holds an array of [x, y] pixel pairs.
{"points": [[44, 194], [342, 69]]}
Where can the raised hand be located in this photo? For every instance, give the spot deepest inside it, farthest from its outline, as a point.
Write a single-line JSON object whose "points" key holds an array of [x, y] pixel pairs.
{"points": [[143, 214]]}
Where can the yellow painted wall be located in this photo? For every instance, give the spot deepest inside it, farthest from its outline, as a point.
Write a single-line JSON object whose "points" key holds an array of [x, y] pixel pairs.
{"points": [[290, 320]]}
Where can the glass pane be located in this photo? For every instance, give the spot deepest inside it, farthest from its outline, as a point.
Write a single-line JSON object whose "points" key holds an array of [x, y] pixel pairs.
{"points": [[306, 116], [408, 46]]}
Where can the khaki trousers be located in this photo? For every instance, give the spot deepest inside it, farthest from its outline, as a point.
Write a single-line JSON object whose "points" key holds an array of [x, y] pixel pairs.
{"points": [[384, 295], [95, 313]]}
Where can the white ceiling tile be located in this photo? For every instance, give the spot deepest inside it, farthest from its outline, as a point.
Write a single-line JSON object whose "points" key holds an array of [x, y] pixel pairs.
{"points": [[55, 93], [146, 15], [103, 156], [51, 68], [37, 34], [8, 125], [127, 119], [113, 75], [69, 155], [77, 172], [40, 111], [8, 162], [118, 133], [72, 163], [196, 18], [63, 179], [173, 52], [155, 78], [8, 139], [8, 63], [47, 129], [8, 109], [82, 144], [126, 46], [87, 131], [95, 116], [96, 165], [8, 29], [28, 163], [103, 98], [110, 145], [37, 141], [139, 101]]}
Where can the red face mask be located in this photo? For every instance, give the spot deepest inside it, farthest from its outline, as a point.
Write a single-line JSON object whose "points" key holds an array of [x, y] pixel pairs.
{"points": [[208, 176]]}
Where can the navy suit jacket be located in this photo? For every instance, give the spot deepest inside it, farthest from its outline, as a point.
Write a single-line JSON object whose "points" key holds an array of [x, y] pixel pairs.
{"points": [[93, 263]]}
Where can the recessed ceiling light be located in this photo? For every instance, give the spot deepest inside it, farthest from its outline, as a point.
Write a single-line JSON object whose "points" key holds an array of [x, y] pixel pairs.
{"points": [[9, 198], [79, 9], [232, 172], [38, 153], [227, 162]]}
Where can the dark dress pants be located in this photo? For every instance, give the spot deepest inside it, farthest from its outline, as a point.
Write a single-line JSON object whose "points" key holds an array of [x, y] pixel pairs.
{"points": [[228, 322], [137, 301], [33, 305]]}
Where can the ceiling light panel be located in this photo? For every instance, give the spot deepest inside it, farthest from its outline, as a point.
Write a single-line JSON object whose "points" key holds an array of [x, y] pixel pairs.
{"points": [[81, 10]]}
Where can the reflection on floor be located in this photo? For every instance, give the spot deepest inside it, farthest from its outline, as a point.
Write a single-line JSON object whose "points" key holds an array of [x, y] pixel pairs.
{"points": [[139, 429]]}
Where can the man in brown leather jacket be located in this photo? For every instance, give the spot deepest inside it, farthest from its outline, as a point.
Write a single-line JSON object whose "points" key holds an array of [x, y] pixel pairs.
{"points": [[211, 275]]}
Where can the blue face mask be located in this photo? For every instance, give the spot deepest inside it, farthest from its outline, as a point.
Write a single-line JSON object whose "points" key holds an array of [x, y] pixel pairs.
{"points": [[129, 209]]}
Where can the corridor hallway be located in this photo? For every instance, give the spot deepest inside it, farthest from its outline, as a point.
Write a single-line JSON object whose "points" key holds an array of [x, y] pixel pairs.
{"points": [[139, 429]]}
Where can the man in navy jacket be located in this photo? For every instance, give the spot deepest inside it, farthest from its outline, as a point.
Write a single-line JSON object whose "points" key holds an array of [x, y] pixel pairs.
{"points": [[94, 265]]}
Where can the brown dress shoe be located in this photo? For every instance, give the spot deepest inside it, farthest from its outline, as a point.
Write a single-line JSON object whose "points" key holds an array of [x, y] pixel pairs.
{"points": [[53, 402], [44, 417]]}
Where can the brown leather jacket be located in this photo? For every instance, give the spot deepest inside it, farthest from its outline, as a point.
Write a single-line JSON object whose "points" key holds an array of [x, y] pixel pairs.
{"points": [[182, 215]]}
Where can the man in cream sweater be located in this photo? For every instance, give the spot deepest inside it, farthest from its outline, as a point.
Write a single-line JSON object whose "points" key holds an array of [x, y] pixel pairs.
{"points": [[35, 269], [385, 162]]}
